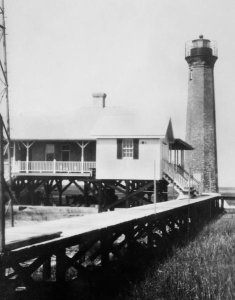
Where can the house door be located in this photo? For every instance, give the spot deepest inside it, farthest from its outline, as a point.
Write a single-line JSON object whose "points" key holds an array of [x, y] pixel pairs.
{"points": [[50, 152], [65, 153]]}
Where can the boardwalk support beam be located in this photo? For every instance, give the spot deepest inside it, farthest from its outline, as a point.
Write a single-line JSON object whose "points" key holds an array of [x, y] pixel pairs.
{"points": [[60, 265]]}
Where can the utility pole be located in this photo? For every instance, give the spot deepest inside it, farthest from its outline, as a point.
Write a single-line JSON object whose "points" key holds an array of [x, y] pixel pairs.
{"points": [[4, 69], [5, 91], [2, 204]]}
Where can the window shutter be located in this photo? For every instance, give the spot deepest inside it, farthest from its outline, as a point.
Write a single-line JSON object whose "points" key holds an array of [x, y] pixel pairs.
{"points": [[136, 149], [119, 148]]}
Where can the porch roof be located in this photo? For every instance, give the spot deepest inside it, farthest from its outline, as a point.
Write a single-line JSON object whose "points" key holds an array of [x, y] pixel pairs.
{"points": [[75, 126], [179, 144], [88, 123]]}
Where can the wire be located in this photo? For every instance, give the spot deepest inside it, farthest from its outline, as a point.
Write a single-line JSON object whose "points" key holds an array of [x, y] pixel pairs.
{"points": [[3, 93]]}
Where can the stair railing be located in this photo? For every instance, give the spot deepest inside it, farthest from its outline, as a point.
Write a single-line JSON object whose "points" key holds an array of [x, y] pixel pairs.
{"points": [[180, 176], [169, 170]]}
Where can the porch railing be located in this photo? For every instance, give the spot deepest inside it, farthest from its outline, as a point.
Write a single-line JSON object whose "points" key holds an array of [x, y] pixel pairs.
{"points": [[53, 166]]}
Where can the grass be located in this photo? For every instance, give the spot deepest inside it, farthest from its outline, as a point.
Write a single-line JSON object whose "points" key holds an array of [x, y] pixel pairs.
{"points": [[204, 269]]}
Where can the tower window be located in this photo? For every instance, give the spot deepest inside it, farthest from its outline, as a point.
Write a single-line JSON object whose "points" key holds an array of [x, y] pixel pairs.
{"points": [[190, 74]]}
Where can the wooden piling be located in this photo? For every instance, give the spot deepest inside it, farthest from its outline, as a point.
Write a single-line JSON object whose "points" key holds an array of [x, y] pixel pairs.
{"points": [[60, 265], [60, 190], [86, 191], [46, 270], [48, 190], [100, 198], [104, 249]]}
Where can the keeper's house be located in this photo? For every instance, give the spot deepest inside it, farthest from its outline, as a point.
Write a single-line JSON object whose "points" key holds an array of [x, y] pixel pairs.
{"points": [[99, 141]]}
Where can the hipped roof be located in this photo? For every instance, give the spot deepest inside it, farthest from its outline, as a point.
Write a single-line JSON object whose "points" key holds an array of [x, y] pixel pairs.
{"points": [[130, 124]]}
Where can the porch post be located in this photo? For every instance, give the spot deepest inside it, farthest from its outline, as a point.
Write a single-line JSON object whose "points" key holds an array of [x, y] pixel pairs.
{"points": [[169, 156], [182, 159], [27, 146], [82, 146], [82, 156], [27, 158], [54, 166]]}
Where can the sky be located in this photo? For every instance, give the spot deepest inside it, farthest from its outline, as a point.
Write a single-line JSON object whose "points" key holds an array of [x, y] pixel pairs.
{"points": [[62, 51]]}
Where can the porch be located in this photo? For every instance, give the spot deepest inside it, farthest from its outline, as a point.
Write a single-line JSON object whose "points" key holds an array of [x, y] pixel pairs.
{"points": [[77, 168], [173, 168]]}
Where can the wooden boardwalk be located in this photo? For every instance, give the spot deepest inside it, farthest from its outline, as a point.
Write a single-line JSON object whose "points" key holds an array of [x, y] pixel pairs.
{"points": [[69, 227], [80, 241]]}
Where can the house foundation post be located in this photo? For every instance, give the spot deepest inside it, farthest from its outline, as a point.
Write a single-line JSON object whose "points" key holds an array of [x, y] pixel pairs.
{"points": [[162, 187], [48, 190], [30, 188], [100, 197], [60, 190], [86, 191], [127, 202]]}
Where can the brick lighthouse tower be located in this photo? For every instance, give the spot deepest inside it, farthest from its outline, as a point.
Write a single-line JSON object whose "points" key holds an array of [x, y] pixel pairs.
{"points": [[201, 55]]}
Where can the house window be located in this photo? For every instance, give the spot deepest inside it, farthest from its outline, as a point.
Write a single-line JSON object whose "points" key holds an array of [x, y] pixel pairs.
{"points": [[127, 148]]}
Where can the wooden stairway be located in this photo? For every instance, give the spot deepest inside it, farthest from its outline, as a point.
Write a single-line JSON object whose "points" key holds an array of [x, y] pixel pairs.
{"points": [[183, 182]]}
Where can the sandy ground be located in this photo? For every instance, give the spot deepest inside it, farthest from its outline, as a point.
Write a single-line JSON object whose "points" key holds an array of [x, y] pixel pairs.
{"points": [[26, 214]]}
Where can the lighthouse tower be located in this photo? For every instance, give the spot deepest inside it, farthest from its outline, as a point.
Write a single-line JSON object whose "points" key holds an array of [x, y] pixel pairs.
{"points": [[201, 55]]}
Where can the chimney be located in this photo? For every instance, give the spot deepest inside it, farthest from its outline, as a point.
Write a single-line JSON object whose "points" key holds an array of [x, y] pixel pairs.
{"points": [[99, 99]]}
